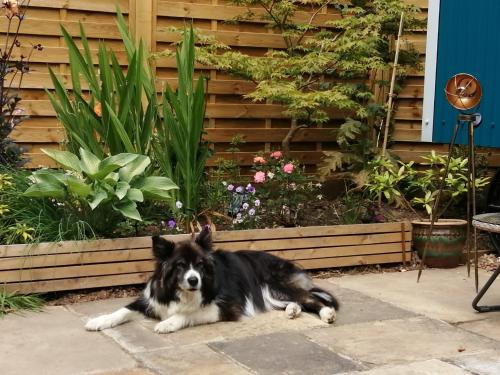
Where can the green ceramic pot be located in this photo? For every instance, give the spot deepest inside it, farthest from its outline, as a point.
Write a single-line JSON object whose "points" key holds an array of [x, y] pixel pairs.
{"points": [[444, 245]]}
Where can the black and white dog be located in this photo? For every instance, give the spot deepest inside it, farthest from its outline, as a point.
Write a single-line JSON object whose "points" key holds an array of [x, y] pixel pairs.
{"points": [[192, 284]]}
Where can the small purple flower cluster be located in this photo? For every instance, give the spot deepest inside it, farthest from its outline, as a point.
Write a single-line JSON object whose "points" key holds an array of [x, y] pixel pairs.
{"points": [[243, 204]]}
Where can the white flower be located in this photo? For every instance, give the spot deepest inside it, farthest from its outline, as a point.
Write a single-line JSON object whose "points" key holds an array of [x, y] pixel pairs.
{"points": [[257, 202], [230, 187], [293, 186], [318, 185], [239, 189], [224, 183], [178, 204], [245, 206], [319, 196], [270, 175], [251, 211]]}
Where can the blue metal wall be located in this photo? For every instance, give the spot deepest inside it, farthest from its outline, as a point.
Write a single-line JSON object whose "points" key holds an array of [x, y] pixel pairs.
{"points": [[469, 42]]}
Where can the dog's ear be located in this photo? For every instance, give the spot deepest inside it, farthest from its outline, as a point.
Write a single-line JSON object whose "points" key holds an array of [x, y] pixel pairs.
{"points": [[204, 239], [162, 248]]}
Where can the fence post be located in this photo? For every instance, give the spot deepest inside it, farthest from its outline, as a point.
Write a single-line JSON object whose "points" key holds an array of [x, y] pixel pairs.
{"points": [[142, 22]]}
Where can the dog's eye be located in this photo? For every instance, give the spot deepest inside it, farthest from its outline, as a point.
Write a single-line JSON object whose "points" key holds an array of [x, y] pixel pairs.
{"points": [[181, 263], [200, 263]]}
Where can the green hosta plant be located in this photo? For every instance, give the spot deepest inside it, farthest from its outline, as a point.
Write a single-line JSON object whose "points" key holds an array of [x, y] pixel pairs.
{"points": [[116, 182], [108, 110], [179, 148]]}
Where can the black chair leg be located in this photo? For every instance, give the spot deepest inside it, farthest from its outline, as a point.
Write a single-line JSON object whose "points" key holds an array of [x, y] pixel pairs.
{"points": [[483, 291]]}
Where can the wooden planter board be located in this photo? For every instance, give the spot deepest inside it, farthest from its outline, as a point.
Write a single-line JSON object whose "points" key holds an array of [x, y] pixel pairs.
{"points": [[52, 266]]}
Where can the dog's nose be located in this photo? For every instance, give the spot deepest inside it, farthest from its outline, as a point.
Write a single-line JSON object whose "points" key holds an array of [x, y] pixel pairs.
{"points": [[192, 281]]}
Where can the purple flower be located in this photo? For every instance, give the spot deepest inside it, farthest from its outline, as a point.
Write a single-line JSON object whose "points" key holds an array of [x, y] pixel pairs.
{"points": [[171, 223], [251, 211], [250, 189], [245, 206], [257, 202], [230, 187], [239, 189]]}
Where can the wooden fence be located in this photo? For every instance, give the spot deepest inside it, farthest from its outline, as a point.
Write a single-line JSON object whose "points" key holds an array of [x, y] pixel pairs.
{"points": [[261, 126], [89, 264]]}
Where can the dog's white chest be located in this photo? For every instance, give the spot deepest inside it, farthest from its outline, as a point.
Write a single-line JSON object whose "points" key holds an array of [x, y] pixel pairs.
{"points": [[189, 303]]}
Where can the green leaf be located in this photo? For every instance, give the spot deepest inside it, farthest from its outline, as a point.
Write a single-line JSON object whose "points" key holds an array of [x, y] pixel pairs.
{"points": [[65, 158], [89, 162], [134, 168], [78, 187], [135, 195], [45, 189], [97, 199], [122, 188], [112, 163], [162, 183], [128, 209]]}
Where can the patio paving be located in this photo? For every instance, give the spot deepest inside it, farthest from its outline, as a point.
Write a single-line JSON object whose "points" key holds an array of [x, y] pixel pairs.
{"points": [[388, 325]]}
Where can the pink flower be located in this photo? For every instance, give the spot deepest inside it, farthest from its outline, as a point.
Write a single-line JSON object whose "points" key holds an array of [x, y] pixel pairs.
{"points": [[276, 155], [288, 168], [259, 160], [259, 177]]}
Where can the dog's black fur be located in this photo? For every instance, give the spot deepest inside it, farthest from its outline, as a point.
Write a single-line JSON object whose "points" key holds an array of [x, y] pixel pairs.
{"points": [[238, 283]]}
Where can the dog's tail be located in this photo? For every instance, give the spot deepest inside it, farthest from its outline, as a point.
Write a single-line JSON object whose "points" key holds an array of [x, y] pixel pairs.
{"points": [[325, 297]]}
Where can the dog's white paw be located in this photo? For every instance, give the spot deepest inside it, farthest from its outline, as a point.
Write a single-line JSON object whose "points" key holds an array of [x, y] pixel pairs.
{"points": [[293, 310], [172, 324], [101, 322], [328, 314]]}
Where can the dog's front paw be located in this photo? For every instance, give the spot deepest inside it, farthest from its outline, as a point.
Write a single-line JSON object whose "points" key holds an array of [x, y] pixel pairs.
{"points": [[328, 314], [172, 324], [293, 310], [100, 323]]}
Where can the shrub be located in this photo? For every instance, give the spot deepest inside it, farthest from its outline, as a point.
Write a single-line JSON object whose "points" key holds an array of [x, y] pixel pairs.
{"points": [[12, 71], [397, 182], [179, 149], [282, 187], [114, 183], [106, 114]]}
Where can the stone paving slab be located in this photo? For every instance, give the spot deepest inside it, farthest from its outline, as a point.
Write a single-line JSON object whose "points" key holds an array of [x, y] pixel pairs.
{"points": [[402, 340], [99, 307], [285, 353], [486, 363], [444, 294], [489, 327], [138, 336], [190, 359], [356, 307], [430, 367], [134, 371], [54, 342]]}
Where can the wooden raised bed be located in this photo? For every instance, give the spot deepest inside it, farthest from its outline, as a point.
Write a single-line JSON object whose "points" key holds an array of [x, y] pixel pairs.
{"points": [[70, 265]]}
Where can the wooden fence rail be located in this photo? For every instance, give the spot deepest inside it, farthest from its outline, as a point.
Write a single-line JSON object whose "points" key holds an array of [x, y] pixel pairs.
{"points": [[261, 125], [89, 264]]}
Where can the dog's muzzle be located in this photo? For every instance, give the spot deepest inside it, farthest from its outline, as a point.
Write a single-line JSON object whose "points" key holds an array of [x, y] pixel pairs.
{"points": [[192, 280]]}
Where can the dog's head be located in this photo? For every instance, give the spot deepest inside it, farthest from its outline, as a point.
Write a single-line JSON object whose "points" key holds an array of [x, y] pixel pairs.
{"points": [[183, 266]]}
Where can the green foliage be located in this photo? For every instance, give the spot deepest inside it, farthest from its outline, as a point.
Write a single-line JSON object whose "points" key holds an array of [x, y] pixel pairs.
{"points": [[108, 111], [13, 303], [356, 149], [316, 70], [397, 182], [283, 188], [116, 182], [179, 149], [24, 219]]}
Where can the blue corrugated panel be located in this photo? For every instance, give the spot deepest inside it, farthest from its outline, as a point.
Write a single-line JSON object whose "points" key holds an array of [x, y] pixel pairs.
{"points": [[469, 42]]}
